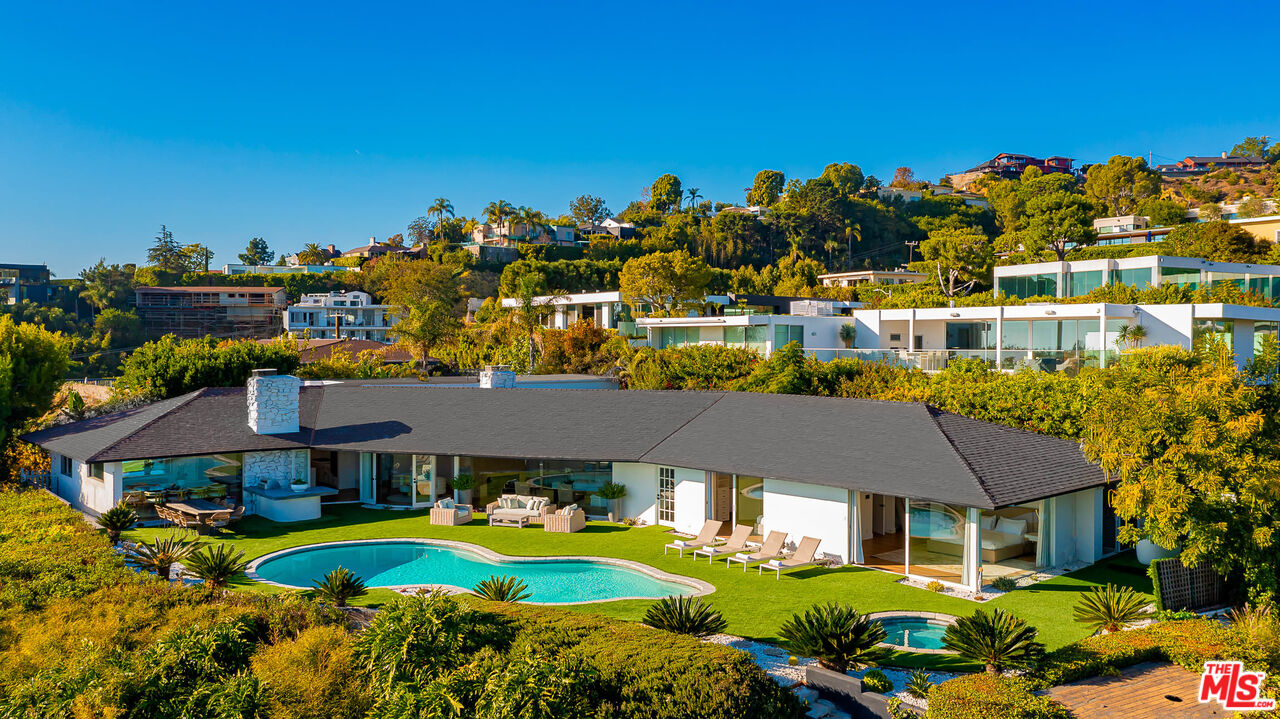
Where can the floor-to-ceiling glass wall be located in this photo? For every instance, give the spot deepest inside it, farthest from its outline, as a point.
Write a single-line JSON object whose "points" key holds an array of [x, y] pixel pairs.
{"points": [[402, 480], [147, 482], [939, 545], [563, 481], [749, 502], [1012, 544]]}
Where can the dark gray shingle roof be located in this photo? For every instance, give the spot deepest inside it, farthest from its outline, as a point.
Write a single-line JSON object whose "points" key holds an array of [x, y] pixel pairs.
{"points": [[905, 449]]}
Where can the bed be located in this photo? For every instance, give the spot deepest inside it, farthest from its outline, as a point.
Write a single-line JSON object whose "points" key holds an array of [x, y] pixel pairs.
{"points": [[1002, 538]]}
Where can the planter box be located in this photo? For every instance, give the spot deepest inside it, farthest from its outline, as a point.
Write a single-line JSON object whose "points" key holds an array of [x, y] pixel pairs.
{"points": [[846, 692]]}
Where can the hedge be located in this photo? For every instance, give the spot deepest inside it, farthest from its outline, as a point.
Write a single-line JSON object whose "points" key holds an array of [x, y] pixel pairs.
{"points": [[1188, 643], [984, 696]]}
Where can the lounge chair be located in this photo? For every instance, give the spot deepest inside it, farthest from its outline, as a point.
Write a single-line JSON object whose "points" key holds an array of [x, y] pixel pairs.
{"points": [[565, 521], [804, 557], [705, 537], [737, 542], [772, 549], [450, 514]]}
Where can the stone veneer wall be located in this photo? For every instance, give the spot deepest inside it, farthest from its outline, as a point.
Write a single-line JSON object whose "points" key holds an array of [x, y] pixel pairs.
{"points": [[273, 403], [275, 466]]}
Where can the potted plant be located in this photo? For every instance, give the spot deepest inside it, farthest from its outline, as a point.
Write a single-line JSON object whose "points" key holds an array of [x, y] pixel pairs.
{"points": [[848, 334], [462, 486], [613, 493], [299, 484]]}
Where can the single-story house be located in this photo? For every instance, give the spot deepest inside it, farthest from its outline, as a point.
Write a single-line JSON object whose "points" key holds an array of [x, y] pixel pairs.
{"points": [[903, 487]]}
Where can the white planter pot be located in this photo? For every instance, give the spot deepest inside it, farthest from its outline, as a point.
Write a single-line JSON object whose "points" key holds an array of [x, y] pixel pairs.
{"points": [[462, 496], [299, 487], [1148, 551]]}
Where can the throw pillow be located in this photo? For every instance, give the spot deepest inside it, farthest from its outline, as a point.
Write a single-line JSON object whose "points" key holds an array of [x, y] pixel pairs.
{"points": [[1011, 526], [506, 502], [989, 522], [445, 503], [571, 509]]}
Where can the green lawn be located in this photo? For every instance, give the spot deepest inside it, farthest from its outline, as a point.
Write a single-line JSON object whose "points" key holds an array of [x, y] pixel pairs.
{"points": [[753, 605]]}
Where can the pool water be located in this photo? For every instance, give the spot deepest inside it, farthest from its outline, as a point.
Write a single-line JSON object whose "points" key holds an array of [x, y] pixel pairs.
{"points": [[914, 632], [396, 563]]}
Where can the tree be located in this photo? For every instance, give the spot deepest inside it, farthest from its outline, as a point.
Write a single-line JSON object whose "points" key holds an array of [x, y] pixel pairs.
{"points": [[396, 240], [959, 259], [428, 296], [767, 188], [169, 367], [1121, 184], [845, 177], [1252, 147], [419, 231], [440, 208], [197, 257], [1053, 222], [694, 195], [1162, 212], [905, 178], [665, 193], [257, 253], [312, 254], [33, 363], [532, 308], [107, 285], [1251, 207], [423, 324], [166, 253], [1192, 444], [588, 209], [666, 281], [997, 639], [1218, 241], [495, 213]]}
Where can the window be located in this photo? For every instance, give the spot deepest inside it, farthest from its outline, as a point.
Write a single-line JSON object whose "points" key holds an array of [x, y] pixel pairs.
{"points": [[1187, 277], [666, 495], [1138, 278], [1029, 286], [971, 335], [786, 334], [143, 467], [66, 466], [1082, 283], [96, 470]]}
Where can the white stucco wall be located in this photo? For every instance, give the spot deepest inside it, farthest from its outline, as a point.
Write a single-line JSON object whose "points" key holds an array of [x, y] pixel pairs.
{"points": [[1076, 527], [810, 510], [641, 481], [82, 491], [691, 500]]}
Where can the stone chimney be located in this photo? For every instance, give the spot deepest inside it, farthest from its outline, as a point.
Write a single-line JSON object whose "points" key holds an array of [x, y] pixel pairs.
{"points": [[497, 377], [1224, 154], [273, 402]]}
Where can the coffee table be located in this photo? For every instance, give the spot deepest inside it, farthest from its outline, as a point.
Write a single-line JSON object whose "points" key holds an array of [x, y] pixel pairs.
{"points": [[518, 522]]}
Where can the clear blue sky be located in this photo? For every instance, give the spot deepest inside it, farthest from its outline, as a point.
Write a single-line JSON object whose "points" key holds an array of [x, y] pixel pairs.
{"points": [[334, 122]]}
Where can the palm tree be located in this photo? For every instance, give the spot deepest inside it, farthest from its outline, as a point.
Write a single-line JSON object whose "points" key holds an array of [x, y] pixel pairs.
{"points": [[216, 565], [116, 520], [837, 635], [440, 208], [496, 212], [852, 231], [998, 640], [1110, 608], [532, 310], [160, 555], [694, 196], [312, 254], [1131, 335]]}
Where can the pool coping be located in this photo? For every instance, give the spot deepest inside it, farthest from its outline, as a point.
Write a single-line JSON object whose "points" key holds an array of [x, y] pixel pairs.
{"points": [[935, 616], [700, 587]]}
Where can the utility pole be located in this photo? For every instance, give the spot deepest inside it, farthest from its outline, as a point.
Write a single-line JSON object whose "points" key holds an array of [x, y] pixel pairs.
{"points": [[911, 247]]}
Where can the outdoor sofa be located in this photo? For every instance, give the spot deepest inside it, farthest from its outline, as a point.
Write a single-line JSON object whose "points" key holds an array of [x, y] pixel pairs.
{"points": [[515, 506]]}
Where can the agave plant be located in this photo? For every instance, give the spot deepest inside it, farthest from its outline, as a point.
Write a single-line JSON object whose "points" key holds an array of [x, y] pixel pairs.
{"points": [[340, 586], [998, 640], [918, 683], [1110, 608], [503, 589], [836, 635], [685, 615], [116, 520], [160, 555], [216, 565]]}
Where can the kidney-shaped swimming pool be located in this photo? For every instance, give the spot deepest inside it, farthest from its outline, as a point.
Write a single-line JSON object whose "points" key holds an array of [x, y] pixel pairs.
{"points": [[407, 562]]}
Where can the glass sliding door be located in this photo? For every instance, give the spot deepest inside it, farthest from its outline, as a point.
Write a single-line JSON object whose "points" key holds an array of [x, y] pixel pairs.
{"points": [[939, 544], [749, 502], [402, 480]]}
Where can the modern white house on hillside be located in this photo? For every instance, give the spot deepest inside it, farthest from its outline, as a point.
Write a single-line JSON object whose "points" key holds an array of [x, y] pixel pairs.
{"points": [[340, 315], [1052, 337], [901, 487], [1074, 278]]}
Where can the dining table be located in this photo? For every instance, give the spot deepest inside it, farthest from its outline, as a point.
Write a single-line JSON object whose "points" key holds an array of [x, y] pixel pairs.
{"points": [[202, 509]]}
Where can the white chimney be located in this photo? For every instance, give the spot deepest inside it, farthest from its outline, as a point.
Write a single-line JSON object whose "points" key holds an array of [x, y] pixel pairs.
{"points": [[273, 402], [1224, 154], [497, 377]]}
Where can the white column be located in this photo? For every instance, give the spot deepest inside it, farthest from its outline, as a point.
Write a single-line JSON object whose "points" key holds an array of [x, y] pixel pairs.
{"points": [[1102, 327], [973, 549], [855, 527], [911, 332], [906, 531], [999, 335]]}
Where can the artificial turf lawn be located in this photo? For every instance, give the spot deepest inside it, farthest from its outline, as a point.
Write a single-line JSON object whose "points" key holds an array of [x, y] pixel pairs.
{"points": [[755, 606]]}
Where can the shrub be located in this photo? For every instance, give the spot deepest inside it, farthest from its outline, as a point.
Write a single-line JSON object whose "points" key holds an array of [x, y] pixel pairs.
{"points": [[836, 635], [1110, 608], [1187, 643], [936, 586], [313, 676], [918, 683], [339, 587], [876, 681], [503, 589], [116, 520], [612, 490], [416, 639], [997, 639], [216, 565], [1005, 584], [160, 554], [982, 696], [685, 615]]}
